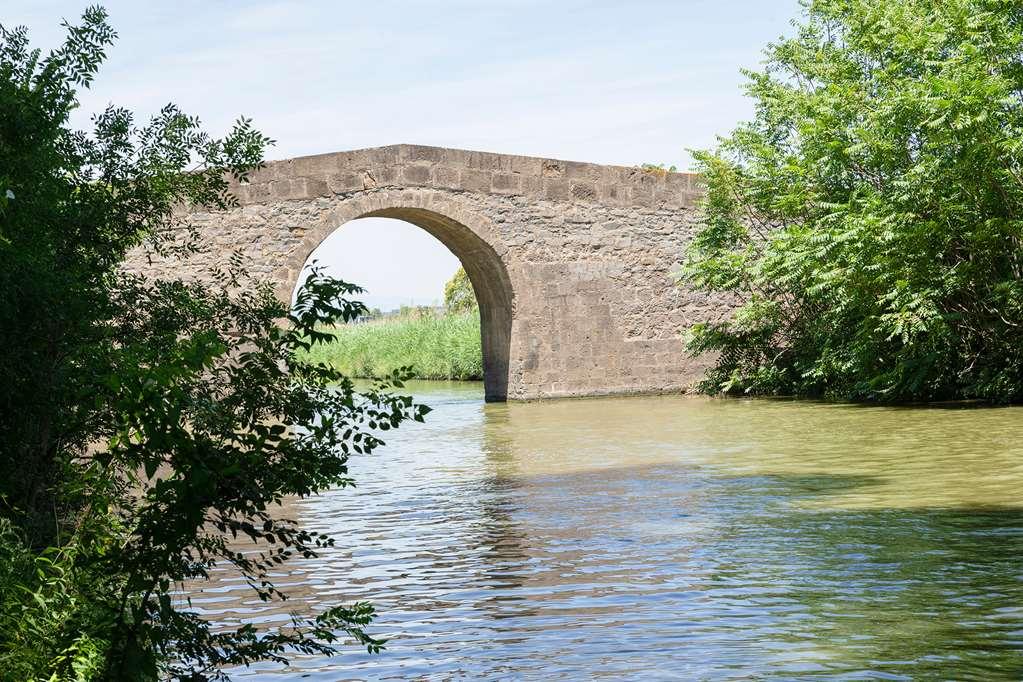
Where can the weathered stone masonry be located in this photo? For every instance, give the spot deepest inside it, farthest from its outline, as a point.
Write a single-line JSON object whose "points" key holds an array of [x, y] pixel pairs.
{"points": [[572, 263]]}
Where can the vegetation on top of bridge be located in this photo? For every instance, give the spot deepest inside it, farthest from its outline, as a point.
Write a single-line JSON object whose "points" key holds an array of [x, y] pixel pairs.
{"points": [[870, 216]]}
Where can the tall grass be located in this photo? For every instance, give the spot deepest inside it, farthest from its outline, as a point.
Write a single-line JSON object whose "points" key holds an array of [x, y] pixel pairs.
{"points": [[437, 347]]}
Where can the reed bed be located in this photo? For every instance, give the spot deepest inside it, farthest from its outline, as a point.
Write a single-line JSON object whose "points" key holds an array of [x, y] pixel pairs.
{"points": [[436, 346]]}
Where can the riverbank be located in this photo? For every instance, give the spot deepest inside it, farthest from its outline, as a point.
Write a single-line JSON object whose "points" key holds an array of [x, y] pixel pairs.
{"points": [[437, 347]]}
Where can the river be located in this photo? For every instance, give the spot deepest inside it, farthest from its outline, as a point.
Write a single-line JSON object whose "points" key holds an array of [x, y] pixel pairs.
{"points": [[671, 538]]}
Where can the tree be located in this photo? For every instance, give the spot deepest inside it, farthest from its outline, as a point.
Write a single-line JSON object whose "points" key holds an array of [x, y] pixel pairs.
{"points": [[459, 296], [868, 219], [144, 423]]}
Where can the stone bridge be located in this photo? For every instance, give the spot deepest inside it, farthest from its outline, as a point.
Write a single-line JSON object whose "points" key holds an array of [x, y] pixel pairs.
{"points": [[572, 263]]}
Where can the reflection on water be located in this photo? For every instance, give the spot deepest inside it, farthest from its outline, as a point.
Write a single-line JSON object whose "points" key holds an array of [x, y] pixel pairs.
{"points": [[672, 538]]}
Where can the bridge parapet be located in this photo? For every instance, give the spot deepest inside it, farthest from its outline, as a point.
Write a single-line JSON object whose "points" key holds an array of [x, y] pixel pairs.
{"points": [[406, 165]]}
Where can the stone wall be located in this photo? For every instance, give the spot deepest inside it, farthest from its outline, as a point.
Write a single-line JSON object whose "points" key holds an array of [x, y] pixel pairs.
{"points": [[572, 263]]}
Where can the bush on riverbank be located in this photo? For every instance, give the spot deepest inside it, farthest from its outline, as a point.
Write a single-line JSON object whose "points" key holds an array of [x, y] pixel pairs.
{"points": [[436, 347], [869, 217]]}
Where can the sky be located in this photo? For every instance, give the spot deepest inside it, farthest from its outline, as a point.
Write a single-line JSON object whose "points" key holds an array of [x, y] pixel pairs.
{"points": [[586, 80]]}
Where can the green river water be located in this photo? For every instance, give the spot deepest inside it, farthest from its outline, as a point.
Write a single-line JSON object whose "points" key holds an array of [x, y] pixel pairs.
{"points": [[671, 538]]}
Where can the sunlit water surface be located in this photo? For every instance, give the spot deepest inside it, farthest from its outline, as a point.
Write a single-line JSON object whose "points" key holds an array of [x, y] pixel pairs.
{"points": [[671, 538]]}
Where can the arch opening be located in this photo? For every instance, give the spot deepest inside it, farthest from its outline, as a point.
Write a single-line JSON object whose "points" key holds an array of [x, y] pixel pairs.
{"points": [[486, 272]]}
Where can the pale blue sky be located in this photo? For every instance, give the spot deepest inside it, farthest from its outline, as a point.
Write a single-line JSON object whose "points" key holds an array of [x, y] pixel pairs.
{"points": [[607, 82]]}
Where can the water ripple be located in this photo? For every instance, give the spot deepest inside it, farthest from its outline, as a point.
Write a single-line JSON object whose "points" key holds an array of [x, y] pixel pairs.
{"points": [[670, 539]]}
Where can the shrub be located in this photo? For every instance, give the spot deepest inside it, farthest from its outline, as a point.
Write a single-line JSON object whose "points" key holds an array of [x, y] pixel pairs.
{"points": [[868, 219], [144, 423]]}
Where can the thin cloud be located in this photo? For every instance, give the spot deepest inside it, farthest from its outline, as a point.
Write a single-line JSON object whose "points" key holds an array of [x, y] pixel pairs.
{"points": [[588, 80]]}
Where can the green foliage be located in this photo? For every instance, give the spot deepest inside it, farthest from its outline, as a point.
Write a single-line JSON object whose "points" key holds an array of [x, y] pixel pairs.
{"points": [[658, 168], [459, 296], [36, 599], [146, 424], [868, 219], [432, 347]]}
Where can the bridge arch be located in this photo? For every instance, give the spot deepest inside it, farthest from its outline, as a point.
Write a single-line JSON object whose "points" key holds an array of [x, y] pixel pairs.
{"points": [[468, 235]]}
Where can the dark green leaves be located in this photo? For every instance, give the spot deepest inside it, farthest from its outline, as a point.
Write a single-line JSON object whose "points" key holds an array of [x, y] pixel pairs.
{"points": [[868, 219], [150, 429]]}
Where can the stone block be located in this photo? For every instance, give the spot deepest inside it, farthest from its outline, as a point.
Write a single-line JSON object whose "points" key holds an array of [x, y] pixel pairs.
{"points": [[357, 160], [505, 183], [678, 182], [362, 159], [310, 188], [280, 189], [557, 189], [475, 180], [582, 171], [609, 193], [532, 186], [341, 183], [485, 161], [526, 165], [445, 176], [416, 174], [457, 157], [413, 153], [390, 155], [380, 176], [613, 175], [319, 166]]}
